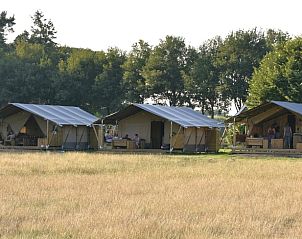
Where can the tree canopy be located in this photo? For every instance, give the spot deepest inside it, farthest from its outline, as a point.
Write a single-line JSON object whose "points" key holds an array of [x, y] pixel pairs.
{"points": [[6, 26], [252, 64], [165, 69], [279, 76], [203, 82]]}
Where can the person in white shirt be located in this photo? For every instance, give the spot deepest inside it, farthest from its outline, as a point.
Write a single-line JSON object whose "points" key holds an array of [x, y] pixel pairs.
{"points": [[137, 140]]}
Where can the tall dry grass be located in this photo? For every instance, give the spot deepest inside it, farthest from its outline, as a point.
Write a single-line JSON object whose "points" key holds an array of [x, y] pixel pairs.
{"points": [[80, 195]]}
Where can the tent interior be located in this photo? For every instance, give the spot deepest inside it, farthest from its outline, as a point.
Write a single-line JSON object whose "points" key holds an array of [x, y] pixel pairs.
{"points": [[264, 127], [29, 133]]}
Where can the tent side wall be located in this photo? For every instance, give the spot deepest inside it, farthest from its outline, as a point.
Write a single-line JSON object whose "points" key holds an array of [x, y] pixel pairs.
{"points": [[194, 139], [178, 135], [139, 123], [213, 140], [75, 137], [93, 142]]}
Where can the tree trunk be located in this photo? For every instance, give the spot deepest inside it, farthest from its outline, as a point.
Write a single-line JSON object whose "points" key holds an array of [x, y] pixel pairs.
{"points": [[203, 108], [173, 99], [238, 104], [212, 109]]}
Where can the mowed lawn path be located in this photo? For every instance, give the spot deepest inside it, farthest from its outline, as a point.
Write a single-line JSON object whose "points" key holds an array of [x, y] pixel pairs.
{"points": [[82, 195]]}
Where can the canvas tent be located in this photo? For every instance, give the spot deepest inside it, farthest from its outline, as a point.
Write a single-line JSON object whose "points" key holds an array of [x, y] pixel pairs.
{"points": [[67, 127], [274, 114], [167, 127]]}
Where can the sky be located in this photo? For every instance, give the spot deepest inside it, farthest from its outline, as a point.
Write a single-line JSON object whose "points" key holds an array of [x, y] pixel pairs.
{"points": [[100, 24]]}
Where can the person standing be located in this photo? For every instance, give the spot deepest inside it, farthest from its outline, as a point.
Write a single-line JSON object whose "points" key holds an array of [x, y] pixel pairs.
{"points": [[287, 136], [270, 135], [137, 140]]}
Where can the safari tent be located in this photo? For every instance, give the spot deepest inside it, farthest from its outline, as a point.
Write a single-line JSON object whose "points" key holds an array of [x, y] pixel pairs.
{"points": [[255, 124], [33, 125], [164, 127]]}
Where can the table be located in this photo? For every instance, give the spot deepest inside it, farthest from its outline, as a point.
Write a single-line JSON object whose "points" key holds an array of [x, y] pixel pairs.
{"points": [[123, 143], [277, 143], [254, 142]]}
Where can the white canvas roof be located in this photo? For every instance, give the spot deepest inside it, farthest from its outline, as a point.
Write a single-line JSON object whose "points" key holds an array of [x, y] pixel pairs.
{"points": [[244, 114], [61, 115], [183, 116]]}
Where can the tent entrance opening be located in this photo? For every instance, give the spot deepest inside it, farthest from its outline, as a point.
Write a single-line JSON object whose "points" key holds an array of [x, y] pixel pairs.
{"points": [[157, 132], [29, 133]]}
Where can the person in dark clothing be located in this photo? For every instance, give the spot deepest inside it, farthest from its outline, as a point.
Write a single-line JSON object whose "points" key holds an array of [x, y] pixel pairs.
{"points": [[270, 135], [287, 136], [126, 137]]}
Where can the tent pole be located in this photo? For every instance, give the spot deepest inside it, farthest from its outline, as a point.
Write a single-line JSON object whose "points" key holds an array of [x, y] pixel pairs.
{"points": [[76, 143], [50, 140], [234, 133], [102, 134], [195, 139], [88, 138], [115, 129], [47, 133], [171, 135]]}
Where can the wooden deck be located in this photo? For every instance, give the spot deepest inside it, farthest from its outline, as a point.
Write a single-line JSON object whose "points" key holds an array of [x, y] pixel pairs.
{"points": [[134, 151], [283, 152], [19, 148], [27, 148], [37, 148]]}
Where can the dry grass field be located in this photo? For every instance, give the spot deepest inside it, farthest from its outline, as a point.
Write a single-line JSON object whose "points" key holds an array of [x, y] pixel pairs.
{"points": [[82, 195]]}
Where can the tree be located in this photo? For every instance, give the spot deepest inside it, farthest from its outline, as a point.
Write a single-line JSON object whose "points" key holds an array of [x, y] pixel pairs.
{"points": [[23, 37], [34, 73], [7, 67], [239, 54], [107, 93], [279, 76], [165, 69], [6, 25], [77, 76], [274, 38], [134, 84], [203, 81], [43, 31]]}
